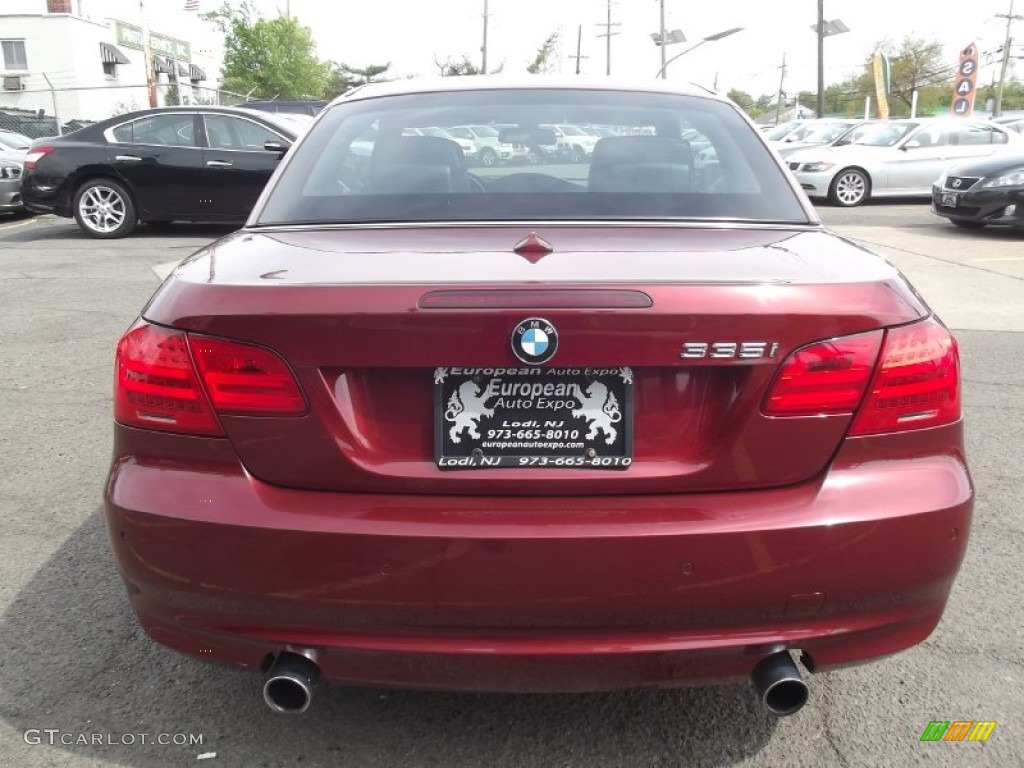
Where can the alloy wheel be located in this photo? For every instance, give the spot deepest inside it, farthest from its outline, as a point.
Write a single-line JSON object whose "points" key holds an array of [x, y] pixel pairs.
{"points": [[851, 188], [102, 209]]}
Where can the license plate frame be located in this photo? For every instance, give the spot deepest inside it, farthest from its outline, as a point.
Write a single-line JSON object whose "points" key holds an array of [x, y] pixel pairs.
{"points": [[533, 418]]}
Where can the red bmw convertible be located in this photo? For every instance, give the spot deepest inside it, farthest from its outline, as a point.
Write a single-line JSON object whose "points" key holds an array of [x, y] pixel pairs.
{"points": [[636, 420]]}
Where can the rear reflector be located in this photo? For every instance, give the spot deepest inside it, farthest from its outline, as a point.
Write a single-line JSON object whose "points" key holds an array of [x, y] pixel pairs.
{"points": [[156, 386], [35, 155], [917, 384], [826, 377], [245, 379]]}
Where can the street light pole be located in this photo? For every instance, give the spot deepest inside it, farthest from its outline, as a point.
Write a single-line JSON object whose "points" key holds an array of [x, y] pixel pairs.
{"points": [[821, 58], [709, 39], [662, 45]]}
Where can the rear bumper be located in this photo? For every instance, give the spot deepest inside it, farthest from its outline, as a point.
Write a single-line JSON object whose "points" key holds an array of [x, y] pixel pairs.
{"points": [[541, 593]]}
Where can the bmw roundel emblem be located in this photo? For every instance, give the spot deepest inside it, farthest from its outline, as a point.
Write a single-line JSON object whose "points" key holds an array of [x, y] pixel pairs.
{"points": [[534, 341]]}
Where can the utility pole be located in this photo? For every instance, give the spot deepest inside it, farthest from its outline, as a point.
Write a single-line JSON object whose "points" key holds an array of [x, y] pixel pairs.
{"points": [[662, 44], [147, 55], [782, 83], [579, 48], [483, 48], [821, 58], [1010, 18], [608, 26]]}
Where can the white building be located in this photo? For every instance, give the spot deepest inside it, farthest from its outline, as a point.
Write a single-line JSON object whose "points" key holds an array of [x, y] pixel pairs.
{"points": [[84, 59]]}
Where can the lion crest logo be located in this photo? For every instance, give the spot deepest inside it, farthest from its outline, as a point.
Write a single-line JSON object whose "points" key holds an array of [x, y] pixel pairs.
{"points": [[465, 408], [601, 410]]}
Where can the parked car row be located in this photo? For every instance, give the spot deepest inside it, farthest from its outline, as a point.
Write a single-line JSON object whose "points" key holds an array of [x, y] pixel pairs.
{"points": [[894, 158], [211, 163]]}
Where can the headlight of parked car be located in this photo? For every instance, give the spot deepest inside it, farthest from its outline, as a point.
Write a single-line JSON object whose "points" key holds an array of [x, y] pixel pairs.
{"points": [[1011, 179], [10, 171], [817, 167]]}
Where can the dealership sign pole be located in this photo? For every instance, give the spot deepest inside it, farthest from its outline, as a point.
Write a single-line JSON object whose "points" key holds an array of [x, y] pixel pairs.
{"points": [[965, 89]]}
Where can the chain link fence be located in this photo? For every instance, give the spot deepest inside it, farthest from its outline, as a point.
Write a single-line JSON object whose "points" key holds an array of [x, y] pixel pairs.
{"points": [[37, 113]]}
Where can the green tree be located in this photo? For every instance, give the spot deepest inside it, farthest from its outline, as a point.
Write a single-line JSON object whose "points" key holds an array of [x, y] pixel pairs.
{"points": [[452, 68], [344, 77], [742, 98], [542, 61], [915, 64], [268, 57]]}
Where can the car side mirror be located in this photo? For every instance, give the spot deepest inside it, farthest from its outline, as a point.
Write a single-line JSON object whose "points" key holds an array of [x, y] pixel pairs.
{"points": [[277, 146], [912, 144]]}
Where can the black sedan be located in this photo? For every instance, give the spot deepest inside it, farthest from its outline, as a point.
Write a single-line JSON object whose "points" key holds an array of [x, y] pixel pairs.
{"points": [[987, 191], [157, 166]]}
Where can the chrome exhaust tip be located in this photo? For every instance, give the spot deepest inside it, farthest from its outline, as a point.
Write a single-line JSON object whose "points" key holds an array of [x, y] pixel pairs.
{"points": [[780, 688], [289, 683]]}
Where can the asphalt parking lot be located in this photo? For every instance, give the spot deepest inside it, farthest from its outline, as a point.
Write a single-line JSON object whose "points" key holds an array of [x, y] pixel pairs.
{"points": [[74, 661]]}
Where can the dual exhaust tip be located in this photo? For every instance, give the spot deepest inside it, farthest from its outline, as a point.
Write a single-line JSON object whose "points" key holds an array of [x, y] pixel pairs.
{"points": [[292, 678]]}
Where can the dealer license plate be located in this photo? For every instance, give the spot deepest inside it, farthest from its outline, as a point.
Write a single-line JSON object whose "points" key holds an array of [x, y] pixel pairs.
{"points": [[552, 418], [950, 199]]}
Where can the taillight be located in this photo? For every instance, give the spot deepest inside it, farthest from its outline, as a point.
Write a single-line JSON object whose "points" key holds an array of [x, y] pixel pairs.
{"points": [[157, 386], [35, 155], [245, 379], [826, 377], [917, 384], [177, 382]]}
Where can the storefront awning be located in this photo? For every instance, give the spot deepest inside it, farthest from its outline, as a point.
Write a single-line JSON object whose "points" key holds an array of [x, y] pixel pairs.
{"points": [[111, 54], [182, 70], [195, 73], [160, 64]]}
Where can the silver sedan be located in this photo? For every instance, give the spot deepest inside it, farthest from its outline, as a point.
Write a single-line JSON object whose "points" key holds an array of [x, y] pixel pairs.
{"points": [[895, 158]]}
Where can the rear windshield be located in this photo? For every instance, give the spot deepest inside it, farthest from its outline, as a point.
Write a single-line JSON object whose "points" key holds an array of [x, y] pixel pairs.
{"points": [[654, 157]]}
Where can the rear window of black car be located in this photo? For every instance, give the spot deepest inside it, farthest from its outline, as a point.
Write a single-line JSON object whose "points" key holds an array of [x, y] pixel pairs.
{"points": [[546, 154]]}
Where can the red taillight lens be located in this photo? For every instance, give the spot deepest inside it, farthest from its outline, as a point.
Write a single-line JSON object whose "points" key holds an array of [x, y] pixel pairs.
{"points": [[35, 155], [156, 384], [826, 377], [917, 384], [244, 379]]}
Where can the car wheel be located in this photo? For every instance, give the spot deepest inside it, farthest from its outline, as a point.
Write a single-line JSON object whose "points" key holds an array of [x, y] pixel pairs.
{"points": [[488, 157], [963, 224], [850, 187], [104, 209]]}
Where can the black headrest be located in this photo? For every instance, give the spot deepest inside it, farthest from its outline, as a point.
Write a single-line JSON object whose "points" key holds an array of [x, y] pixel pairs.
{"points": [[417, 165], [641, 164]]}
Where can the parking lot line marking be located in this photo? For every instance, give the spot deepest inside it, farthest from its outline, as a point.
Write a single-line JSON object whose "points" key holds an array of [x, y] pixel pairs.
{"points": [[19, 224], [999, 258], [163, 270]]}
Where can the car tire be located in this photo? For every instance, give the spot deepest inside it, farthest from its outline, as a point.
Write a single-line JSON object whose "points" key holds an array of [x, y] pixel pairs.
{"points": [[104, 209], [488, 157], [850, 187], [964, 224]]}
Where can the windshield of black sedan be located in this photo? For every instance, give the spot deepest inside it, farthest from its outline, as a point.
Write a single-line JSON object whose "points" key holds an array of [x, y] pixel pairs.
{"points": [[650, 156]]}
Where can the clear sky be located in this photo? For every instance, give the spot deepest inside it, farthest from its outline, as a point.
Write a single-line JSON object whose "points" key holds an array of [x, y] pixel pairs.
{"points": [[412, 33]]}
